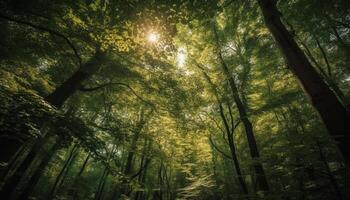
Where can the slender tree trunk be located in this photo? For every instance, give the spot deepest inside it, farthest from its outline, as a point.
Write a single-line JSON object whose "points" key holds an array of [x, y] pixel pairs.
{"points": [[75, 195], [100, 195], [324, 55], [62, 172], [101, 184], [258, 168], [237, 166], [333, 113], [30, 185], [74, 83], [104, 176], [129, 160], [329, 173], [68, 168], [345, 46], [330, 79], [145, 161], [300, 177], [158, 195], [234, 158]]}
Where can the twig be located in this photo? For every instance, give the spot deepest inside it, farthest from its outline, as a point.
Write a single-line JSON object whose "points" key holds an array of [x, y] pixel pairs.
{"points": [[217, 148]]}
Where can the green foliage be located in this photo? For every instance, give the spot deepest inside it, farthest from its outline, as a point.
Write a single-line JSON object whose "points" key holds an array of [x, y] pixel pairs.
{"points": [[141, 119]]}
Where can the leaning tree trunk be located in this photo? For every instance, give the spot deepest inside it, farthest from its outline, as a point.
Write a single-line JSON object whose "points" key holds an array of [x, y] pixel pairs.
{"points": [[62, 173], [11, 183], [30, 185], [11, 164], [74, 83], [77, 178], [101, 185], [333, 113]]}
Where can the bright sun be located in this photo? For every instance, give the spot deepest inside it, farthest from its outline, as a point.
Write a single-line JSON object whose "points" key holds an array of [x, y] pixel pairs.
{"points": [[153, 37]]}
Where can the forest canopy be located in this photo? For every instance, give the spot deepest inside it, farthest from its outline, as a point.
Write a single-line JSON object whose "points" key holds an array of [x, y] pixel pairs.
{"points": [[175, 100]]}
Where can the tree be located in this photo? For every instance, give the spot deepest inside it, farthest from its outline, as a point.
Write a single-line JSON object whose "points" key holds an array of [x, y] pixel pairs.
{"points": [[333, 113]]}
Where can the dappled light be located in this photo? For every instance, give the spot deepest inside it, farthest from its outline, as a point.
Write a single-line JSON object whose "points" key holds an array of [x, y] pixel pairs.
{"points": [[174, 100], [181, 57]]}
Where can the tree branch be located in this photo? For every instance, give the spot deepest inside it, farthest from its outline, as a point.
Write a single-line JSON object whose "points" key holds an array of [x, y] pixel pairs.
{"points": [[84, 89], [45, 30], [141, 169], [238, 121], [215, 122], [217, 148]]}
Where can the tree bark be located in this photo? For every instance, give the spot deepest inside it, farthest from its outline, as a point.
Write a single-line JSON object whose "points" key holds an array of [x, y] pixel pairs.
{"points": [[11, 164], [72, 84], [329, 80], [332, 112], [9, 147], [30, 185], [11, 183]]}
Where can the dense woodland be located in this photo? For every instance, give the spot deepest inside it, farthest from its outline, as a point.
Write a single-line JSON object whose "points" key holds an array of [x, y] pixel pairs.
{"points": [[175, 99]]}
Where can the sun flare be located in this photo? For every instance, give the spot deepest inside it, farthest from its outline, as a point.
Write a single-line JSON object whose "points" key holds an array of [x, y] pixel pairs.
{"points": [[153, 37]]}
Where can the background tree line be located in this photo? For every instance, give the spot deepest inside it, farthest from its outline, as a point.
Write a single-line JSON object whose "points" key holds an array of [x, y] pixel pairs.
{"points": [[243, 99]]}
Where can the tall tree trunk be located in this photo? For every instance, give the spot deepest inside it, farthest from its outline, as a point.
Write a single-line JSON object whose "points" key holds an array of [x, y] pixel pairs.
{"points": [[258, 168], [101, 184], [74, 83], [62, 172], [228, 132], [11, 183], [333, 113], [129, 160], [30, 185], [14, 161], [9, 148], [104, 176], [141, 175], [330, 81], [76, 189], [237, 166], [253, 147], [68, 168]]}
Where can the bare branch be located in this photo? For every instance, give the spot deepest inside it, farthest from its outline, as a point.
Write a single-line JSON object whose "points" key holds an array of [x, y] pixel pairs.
{"points": [[217, 148], [215, 122], [238, 121]]}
